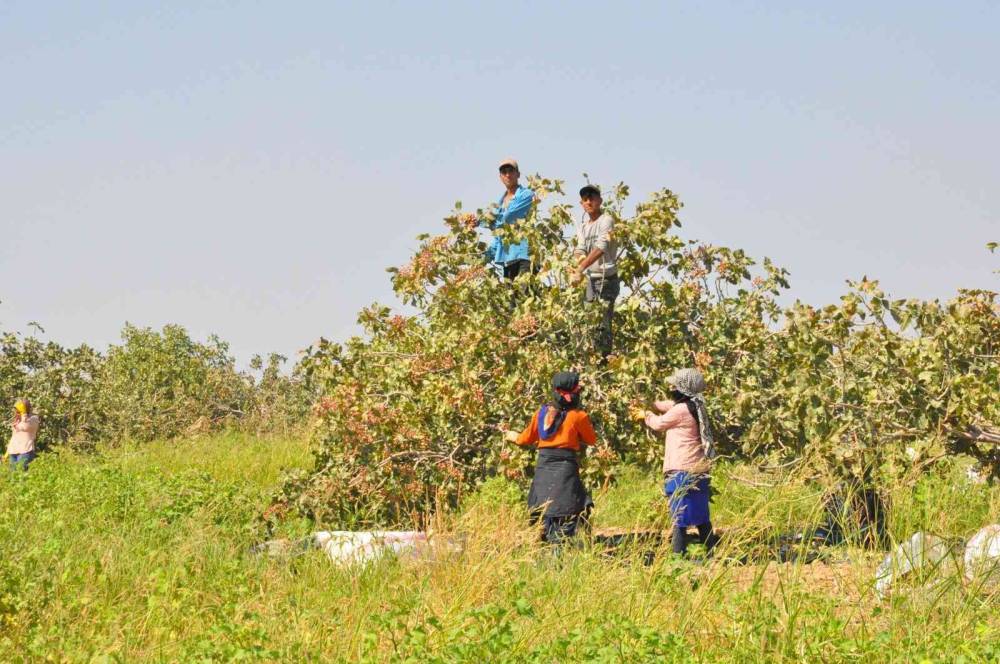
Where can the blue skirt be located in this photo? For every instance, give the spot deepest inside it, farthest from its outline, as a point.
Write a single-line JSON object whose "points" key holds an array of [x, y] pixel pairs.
{"points": [[689, 494]]}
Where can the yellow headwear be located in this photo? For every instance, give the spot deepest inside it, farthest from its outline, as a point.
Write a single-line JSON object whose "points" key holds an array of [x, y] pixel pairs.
{"points": [[21, 407]]}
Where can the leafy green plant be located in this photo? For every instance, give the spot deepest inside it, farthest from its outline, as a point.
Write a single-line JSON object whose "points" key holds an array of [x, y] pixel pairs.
{"points": [[159, 384], [139, 552], [155, 384], [58, 380]]}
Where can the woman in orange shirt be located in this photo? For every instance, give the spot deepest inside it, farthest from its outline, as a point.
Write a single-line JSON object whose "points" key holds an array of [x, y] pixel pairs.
{"points": [[560, 430]]}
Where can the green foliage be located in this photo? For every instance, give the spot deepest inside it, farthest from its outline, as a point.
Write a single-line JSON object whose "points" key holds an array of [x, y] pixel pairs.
{"points": [[496, 493], [155, 384], [867, 388], [411, 413], [87, 542], [58, 381], [139, 553], [280, 403], [488, 634]]}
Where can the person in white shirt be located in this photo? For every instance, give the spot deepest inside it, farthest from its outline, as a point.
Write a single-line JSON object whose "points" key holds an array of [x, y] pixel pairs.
{"points": [[596, 254]]}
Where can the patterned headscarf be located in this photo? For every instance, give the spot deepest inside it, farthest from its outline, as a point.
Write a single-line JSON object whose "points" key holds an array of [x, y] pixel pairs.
{"points": [[691, 384], [566, 393]]}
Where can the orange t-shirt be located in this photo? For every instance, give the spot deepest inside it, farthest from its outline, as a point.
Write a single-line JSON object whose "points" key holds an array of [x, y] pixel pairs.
{"points": [[576, 430]]}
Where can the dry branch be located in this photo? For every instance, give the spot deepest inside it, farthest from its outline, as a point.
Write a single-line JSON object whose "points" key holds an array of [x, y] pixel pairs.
{"points": [[977, 434]]}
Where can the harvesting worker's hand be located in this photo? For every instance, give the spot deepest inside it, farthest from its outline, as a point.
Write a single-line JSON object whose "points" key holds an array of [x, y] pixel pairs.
{"points": [[575, 277], [636, 413], [510, 436]]}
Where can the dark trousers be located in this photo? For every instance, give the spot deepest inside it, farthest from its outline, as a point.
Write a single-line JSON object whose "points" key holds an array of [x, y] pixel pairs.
{"points": [[555, 529], [606, 289], [678, 538], [513, 269]]}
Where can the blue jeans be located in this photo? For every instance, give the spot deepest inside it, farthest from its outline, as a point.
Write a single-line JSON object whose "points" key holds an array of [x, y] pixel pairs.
{"points": [[21, 461]]}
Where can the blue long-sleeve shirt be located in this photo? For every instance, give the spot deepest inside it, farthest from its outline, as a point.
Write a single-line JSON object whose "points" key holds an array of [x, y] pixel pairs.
{"points": [[517, 209]]}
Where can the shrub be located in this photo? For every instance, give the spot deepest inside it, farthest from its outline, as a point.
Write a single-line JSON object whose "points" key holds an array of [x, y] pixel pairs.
{"points": [[58, 380], [157, 384], [154, 385]]}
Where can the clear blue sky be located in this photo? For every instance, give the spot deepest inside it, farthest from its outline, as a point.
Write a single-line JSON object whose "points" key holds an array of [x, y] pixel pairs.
{"points": [[250, 169]]}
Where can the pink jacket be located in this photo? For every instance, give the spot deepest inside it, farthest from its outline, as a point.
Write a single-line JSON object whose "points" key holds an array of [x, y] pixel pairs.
{"points": [[682, 448], [23, 434]]}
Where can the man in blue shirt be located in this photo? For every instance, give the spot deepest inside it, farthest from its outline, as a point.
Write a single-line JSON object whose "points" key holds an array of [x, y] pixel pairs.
{"points": [[514, 205]]}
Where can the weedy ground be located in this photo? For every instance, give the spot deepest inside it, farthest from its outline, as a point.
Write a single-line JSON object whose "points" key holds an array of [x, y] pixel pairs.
{"points": [[141, 554]]}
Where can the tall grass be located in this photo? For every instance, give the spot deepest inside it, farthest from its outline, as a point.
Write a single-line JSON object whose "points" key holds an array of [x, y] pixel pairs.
{"points": [[142, 555]]}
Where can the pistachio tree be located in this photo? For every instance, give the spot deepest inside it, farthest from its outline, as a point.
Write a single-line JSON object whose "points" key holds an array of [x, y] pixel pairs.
{"points": [[412, 410]]}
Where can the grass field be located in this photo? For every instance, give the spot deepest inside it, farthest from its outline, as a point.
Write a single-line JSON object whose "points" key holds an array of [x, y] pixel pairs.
{"points": [[140, 554]]}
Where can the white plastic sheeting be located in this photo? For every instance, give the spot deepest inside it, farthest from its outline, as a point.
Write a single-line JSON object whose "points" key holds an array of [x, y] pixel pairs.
{"points": [[347, 547], [982, 554], [980, 559], [919, 552]]}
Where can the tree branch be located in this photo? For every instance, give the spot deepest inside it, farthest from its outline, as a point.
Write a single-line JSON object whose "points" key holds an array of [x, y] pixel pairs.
{"points": [[978, 434]]}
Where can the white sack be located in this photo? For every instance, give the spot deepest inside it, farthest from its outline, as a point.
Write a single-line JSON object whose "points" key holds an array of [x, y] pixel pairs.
{"points": [[920, 551], [982, 553]]}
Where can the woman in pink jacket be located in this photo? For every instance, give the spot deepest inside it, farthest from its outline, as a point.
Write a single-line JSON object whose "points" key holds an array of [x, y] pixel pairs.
{"points": [[687, 453], [24, 431]]}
